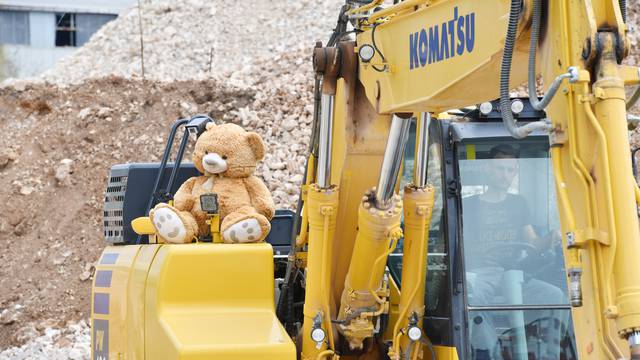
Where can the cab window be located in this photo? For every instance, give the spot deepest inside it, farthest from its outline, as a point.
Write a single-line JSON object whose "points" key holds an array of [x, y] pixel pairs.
{"points": [[512, 252]]}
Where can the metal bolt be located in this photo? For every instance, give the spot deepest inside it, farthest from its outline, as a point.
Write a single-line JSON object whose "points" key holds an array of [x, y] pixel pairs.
{"points": [[571, 241]]}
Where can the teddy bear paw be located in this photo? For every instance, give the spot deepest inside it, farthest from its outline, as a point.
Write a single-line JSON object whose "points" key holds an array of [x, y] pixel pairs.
{"points": [[168, 225], [244, 231]]}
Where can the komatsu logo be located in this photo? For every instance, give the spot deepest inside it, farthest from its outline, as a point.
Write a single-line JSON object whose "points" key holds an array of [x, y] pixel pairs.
{"points": [[437, 43]]}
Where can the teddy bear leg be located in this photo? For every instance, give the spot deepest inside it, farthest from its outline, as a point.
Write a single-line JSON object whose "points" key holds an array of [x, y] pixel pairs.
{"points": [[245, 226], [172, 225]]}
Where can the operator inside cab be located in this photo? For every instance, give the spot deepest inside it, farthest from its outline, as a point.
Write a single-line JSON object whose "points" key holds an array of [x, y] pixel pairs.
{"points": [[504, 255], [500, 218]]}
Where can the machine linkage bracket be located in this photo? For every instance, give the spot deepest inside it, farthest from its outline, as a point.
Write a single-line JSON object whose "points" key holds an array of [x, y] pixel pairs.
{"points": [[581, 237]]}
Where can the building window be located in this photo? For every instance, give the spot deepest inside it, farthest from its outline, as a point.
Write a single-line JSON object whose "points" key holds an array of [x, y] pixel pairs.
{"points": [[14, 27], [88, 24], [66, 29]]}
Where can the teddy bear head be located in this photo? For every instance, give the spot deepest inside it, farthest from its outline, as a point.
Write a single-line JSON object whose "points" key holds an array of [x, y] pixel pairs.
{"points": [[228, 150]]}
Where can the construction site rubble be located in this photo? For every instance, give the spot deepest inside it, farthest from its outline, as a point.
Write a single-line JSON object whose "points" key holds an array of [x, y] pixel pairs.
{"points": [[69, 343], [66, 129]]}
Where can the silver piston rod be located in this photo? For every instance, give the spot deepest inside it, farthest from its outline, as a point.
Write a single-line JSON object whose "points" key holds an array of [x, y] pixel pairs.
{"points": [[422, 137], [326, 141], [393, 155]]}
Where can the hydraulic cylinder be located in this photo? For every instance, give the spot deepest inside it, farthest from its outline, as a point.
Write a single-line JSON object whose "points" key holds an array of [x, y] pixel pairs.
{"points": [[611, 113], [364, 297], [321, 207], [418, 206]]}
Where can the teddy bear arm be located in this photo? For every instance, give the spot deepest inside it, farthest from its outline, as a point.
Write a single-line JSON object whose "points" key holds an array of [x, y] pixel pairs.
{"points": [[183, 199], [261, 198]]}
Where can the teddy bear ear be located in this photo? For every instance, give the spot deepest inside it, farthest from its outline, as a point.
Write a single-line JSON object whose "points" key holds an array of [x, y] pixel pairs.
{"points": [[255, 141], [210, 125]]}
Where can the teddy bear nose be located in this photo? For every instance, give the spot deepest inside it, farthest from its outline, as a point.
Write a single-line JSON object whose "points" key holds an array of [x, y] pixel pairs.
{"points": [[214, 163]]}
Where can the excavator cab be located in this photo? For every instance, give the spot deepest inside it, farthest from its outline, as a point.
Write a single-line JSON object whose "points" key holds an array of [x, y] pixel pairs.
{"points": [[496, 283]]}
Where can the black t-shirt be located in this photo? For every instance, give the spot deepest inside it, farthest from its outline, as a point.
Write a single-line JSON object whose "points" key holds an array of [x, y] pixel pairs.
{"points": [[487, 225]]}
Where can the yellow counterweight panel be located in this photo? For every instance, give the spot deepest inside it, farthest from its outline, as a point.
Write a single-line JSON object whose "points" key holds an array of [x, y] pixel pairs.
{"points": [[322, 210], [135, 301], [213, 301], [109, 305]]}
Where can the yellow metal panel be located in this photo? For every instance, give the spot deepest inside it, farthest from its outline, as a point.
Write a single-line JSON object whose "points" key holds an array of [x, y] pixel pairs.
{"points": [[143, 226], [418, 206], [468, 75], [471, 152], [109, 301], [584, 179], [321, 210], [213, 301], [363, 140], [394, 308], [136, 302]]}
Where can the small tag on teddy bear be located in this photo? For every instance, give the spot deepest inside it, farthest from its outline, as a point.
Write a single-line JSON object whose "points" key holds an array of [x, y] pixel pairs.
{"points": [[209, 203]]}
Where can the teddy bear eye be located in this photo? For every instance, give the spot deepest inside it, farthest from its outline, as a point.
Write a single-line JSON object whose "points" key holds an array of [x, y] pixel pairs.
{"points": [[224, 157]]}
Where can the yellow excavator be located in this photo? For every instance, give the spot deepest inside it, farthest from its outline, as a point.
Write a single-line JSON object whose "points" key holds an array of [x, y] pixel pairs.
{"points": [[434, 222]]}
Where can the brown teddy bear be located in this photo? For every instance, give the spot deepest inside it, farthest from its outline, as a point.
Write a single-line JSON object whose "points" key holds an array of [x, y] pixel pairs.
{"points": [[227, 156]]}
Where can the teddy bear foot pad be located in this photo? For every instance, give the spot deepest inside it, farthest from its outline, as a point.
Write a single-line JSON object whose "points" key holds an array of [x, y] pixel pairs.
{"points": [[169, 225], [244, 231]]}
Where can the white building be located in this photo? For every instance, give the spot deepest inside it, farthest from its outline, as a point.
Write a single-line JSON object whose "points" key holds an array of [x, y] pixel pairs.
{"points": [[34, 34]]}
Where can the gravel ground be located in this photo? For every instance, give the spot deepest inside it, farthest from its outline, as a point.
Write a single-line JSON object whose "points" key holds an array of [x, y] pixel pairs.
{"points": [[70, 343]]}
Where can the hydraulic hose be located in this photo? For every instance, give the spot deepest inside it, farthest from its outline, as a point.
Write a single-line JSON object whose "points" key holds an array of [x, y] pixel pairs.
{"points": [[516, 131], [623, 9], [535, 36]]}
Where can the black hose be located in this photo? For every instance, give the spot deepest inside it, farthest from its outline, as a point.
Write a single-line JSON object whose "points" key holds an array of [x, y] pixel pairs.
{"points": [[623, 9], [505, 68], [533, 48], [284, 307], [518, 132]]}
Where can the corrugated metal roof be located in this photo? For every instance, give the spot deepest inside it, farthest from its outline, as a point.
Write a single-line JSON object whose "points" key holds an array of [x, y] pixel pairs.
{"points": [[79, 6]]}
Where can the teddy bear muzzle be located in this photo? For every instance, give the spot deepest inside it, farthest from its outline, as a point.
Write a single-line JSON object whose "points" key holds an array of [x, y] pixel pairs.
{"points": [[214, 163]]}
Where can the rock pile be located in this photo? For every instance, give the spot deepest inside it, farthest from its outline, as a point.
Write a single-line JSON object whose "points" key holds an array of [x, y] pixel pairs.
{"points": [[198, 39], [70, 343]]}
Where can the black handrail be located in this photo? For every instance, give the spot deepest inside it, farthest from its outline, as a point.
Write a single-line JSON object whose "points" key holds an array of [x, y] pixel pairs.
{"points": [[163, 165]]}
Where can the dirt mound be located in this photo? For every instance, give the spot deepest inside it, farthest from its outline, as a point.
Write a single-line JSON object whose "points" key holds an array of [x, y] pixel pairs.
{"points": [[59, 146]]}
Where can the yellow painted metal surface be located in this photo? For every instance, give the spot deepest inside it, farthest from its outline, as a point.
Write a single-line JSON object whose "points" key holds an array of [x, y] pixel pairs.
{"points": [[136, 302], [365, 292], [465, 68], [195, 301], [143, 226], [358, 151], [418, 206], [322, 209], [593, 179], [214, 228], [109, 303], [213, 301]]}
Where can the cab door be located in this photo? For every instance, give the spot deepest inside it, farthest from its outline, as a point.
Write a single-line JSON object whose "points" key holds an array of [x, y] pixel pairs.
{"points": [[515, 293]]}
